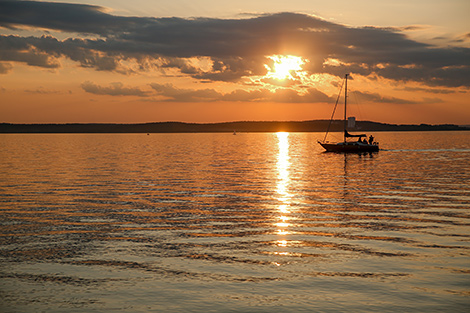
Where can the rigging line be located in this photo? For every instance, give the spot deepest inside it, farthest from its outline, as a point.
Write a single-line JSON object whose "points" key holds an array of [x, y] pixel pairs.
{"points": [[334, 110], [358, 105]]}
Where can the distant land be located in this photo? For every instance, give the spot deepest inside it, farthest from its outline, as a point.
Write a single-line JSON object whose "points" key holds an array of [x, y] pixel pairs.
{"points": [[180, 127]]}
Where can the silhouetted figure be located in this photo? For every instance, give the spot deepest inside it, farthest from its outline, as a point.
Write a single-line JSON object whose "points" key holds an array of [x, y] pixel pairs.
{"points": [[371, 139]]}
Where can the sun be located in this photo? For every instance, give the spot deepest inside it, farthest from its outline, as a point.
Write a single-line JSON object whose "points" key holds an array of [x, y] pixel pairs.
{"points": [[284, 67]]}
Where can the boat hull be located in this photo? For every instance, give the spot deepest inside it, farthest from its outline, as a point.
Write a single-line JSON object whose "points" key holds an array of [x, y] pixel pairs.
{"points": [[349, 147]]}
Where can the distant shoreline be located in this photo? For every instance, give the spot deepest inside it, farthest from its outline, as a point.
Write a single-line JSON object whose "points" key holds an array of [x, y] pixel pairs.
{"points": [[241, 126]]}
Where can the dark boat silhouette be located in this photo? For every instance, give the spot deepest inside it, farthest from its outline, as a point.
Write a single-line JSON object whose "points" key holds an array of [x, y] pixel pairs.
{"points": [[351, 143]]}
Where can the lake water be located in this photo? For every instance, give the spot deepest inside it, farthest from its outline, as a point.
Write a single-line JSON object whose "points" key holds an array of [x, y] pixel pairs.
{"points": [[257, 222]]}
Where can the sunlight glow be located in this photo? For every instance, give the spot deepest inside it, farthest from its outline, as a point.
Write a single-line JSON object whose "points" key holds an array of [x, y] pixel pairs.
{"points": [[284, 67], [283, 208], [283, 218]]}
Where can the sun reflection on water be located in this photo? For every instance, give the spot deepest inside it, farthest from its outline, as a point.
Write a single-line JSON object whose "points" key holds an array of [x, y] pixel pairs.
{"points": [[283, 165]]}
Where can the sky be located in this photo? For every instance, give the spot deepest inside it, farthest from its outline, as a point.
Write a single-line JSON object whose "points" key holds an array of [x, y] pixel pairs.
{"points": [[204, 61]]}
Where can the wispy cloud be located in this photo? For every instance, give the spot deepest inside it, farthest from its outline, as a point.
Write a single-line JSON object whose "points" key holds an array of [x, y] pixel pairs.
{"points": [[376, 98], [115, 89], [44, 91], [172, 93], [5, 67]]}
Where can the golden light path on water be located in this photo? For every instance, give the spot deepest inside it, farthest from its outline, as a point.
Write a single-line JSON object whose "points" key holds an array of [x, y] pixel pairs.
{"points": [[283, 165]]}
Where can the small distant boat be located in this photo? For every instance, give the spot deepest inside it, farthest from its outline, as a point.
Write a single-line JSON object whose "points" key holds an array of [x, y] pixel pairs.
{"points": [[348, 145]]}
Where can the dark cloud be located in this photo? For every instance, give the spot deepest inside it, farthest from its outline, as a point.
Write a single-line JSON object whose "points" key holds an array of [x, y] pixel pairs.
{"points": [[79, 18], [233, 68], [237, 47], [116, 89], [18, 49], [45, 51]]}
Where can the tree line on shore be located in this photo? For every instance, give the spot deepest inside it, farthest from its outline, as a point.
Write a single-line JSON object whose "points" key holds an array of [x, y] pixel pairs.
{"points": [[242, 126]]}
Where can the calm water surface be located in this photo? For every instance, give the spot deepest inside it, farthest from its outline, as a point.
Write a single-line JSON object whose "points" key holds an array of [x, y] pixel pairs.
{"points": [[257, 222]]}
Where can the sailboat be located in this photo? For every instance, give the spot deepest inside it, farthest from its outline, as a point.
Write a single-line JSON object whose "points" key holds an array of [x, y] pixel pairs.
{"points": [[350, 143]]}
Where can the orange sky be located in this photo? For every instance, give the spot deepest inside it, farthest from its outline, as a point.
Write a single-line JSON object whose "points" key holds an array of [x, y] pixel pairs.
{"points": [[62, 63]]}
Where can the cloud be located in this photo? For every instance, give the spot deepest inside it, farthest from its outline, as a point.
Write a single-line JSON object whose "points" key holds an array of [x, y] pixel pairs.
{"points": [[186, 95], [171, 93], [116, 89], [26, 50], [42, 91], [428, 90], [376, 98], [79, 18], [5, 67], [236, 47], [46, 50]]}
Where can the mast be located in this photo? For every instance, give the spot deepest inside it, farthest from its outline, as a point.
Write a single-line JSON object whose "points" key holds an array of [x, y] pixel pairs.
{"points": [[345, 102]]}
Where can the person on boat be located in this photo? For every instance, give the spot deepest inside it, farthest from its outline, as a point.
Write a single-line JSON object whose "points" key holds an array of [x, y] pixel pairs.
{"points": [[371, 139]]}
